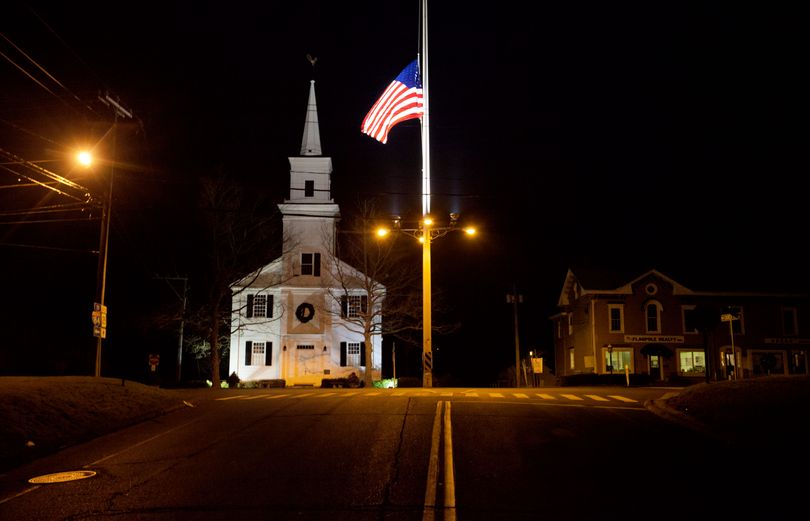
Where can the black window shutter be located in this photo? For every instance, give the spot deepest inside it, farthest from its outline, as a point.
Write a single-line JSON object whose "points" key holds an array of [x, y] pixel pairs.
{"points": [[317, 265], [343, 354], [364, 304], [344, 306], [363, 354], [249, 310], [269, 306], [268, 353], [248, 352]]}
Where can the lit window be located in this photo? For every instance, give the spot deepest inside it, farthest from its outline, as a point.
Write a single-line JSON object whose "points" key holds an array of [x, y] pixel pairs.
{"points": [[691, 363], [571, 357], [616, 359]]}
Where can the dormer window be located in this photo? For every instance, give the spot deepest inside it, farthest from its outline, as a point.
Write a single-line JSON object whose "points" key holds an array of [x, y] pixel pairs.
{"points": [[309, 188]]}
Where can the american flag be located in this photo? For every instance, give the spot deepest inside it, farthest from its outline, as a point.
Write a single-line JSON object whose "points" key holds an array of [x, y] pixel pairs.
{"points": [[402, 100]]}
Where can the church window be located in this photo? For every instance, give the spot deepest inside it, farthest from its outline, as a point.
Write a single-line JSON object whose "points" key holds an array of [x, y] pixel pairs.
{"points": [[311, 264], [258, 353], [259, 306], [352, 354], [353, 306], [309, 188]]}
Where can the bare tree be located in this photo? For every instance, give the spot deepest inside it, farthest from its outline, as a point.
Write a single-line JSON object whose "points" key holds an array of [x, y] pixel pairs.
{"points": [[240, 236], [377, 282]]}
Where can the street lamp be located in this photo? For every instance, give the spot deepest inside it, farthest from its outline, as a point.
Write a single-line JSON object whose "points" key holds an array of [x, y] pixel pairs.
{"points": [[426, 233], [99, 314], [99, 309]]}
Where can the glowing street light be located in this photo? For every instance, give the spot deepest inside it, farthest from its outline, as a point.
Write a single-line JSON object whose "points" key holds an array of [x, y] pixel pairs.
{"points": [[84, 158], [427, 233]]}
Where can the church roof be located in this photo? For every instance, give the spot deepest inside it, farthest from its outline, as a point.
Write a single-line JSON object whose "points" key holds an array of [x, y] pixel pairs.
{"points": [[311, 142]]}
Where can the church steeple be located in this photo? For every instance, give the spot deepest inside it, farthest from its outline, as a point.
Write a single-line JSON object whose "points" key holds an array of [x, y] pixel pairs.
{"points": [[311, 142], [311, 172], [310, 213]]}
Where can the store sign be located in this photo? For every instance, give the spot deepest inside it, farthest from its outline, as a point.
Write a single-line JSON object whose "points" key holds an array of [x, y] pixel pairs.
{"points": [[646, 339], [788, 341]]}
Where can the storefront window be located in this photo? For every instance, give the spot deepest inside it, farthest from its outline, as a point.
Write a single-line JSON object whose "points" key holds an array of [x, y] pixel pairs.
{"points": [[691, 363]]}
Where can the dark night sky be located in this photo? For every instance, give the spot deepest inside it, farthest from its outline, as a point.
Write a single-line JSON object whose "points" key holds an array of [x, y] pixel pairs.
{"points": [[634, 136]]}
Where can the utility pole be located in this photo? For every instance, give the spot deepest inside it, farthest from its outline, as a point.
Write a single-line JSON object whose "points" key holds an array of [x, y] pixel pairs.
{"points": [[514, 299], [99, 309]]}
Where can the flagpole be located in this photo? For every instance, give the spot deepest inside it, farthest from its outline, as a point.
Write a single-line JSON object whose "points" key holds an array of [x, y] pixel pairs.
{"points": [[425, 116], [427, 326]]}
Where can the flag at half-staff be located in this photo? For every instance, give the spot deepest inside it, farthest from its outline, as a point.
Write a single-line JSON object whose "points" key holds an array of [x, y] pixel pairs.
{"points": [[401, 100]]}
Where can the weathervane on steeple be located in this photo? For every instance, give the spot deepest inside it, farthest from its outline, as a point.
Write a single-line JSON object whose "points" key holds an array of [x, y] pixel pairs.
{"points": [[312, 61]]}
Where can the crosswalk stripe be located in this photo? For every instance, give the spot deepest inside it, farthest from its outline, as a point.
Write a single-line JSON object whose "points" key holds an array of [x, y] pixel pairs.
{"points": [[467, 394], [621, 398], [597, 398]]}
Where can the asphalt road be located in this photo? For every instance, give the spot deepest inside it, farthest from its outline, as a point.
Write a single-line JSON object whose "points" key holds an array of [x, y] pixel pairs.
{"points": [[400, 454]]}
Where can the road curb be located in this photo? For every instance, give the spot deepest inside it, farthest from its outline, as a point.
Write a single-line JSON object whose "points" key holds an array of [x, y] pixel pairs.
{"points": [[660, 408]]}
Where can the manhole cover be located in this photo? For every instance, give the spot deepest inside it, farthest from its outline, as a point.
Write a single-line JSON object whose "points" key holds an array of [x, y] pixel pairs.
{"points": [[59, 477]]}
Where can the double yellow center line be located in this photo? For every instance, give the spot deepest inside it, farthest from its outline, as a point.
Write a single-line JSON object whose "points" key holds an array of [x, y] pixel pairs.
{"points": [[442, 436]]}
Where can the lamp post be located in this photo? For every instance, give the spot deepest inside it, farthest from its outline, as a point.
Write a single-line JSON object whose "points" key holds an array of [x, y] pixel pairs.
{"points": [[426, 233]]}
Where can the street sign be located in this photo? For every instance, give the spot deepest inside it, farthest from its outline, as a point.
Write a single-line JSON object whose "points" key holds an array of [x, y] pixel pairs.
{"points": [[99, 319], [537, 364]]}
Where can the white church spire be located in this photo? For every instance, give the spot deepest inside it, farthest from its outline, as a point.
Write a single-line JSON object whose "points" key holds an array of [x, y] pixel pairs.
{"points": [[311, 142]]}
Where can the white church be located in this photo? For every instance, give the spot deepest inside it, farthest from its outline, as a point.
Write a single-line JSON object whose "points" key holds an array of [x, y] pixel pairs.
{"points": [[292, 320]]}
